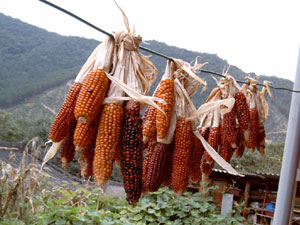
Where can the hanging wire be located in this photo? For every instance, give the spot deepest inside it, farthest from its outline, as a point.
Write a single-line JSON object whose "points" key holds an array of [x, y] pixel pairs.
{"points": [[146, 49]]}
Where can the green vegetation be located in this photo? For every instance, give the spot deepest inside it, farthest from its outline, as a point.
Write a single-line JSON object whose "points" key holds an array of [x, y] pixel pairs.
{"points": [[31, 199]]}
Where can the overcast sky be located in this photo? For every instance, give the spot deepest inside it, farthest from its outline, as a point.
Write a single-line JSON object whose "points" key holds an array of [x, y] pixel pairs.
{"points": [[258, 36]]}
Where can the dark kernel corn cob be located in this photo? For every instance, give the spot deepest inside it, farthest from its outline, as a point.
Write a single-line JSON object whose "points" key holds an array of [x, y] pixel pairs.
{"points": [[68, 149], [61, 123], [132, 157], [149, 123], [254, 128], [156, 167], [181, 155], [262, 140], [213, 140], [239, 152], [167, 171], [150, 146], [197, 151], [85, 133], [229, 121], [107, 142], [91, 96], [166, 92]]}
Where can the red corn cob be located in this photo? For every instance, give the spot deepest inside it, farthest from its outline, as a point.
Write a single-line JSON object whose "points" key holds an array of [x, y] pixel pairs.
{"points": [[196, 158], [68, 148], [64, 118]]}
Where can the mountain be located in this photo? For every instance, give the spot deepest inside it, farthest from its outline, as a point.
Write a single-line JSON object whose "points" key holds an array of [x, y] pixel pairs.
{"points": [[36, 65]]}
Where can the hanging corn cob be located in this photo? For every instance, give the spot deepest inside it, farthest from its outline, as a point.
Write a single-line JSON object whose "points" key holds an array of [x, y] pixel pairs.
{"points": [[64, 118], [68, 149], [132, 158], [150, 146]]}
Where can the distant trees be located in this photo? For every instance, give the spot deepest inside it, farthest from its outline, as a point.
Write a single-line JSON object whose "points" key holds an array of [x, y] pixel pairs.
{"points": [[9, 130]]}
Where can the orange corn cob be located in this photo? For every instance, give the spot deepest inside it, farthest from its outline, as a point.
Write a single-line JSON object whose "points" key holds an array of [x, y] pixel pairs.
{"points": [[86, 160], [229, 121], [68, 149], [254, 130], [150, 147], [108, 138], [91, 96], [156, 167], [85, 133], [165, 92], [242, 114], [149, 124], [61, 123], [213, 141], [196, 158], [181, 155], [132, 157]]}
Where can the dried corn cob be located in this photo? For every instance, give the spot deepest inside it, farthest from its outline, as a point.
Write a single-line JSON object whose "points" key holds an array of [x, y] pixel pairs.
{"points": [[240, 146], [165, 92], [213, 141], [132, 158], [85, 133], [181, 155], [149, 124], [59, 127], [108, 138], [197, 151], [229, 121], [226, 151], [156, 167], [243, 114], [68, 148], [150, 147], [262, 140], [86, 160], [167, 171], [254, 131], [91, 96]]}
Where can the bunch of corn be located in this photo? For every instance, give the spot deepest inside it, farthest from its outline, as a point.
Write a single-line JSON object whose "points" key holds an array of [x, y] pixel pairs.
{"points": [[132, 157]]}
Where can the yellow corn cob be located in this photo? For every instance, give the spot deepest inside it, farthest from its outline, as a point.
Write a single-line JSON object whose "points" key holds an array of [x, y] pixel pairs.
{"points": [[165, 92], [63, 119], [181, 155], [91, 96], [108, 138]]}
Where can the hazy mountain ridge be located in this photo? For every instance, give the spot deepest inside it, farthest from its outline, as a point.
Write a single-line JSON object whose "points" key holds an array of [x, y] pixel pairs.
{"points": [[35, 66]]}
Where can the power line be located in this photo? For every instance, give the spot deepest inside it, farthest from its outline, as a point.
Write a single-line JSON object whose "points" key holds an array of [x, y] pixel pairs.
{"points": [[143, 48]]}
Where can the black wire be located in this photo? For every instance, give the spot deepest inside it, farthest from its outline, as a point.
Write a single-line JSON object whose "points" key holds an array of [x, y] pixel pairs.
{"points": [[143, 48]]}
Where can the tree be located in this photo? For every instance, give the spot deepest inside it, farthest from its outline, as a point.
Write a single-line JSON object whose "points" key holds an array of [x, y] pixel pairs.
{"points": [[9, 130]]}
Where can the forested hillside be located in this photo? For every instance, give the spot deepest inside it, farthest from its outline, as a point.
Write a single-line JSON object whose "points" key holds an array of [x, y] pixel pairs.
{"points": [[35, 66]]}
